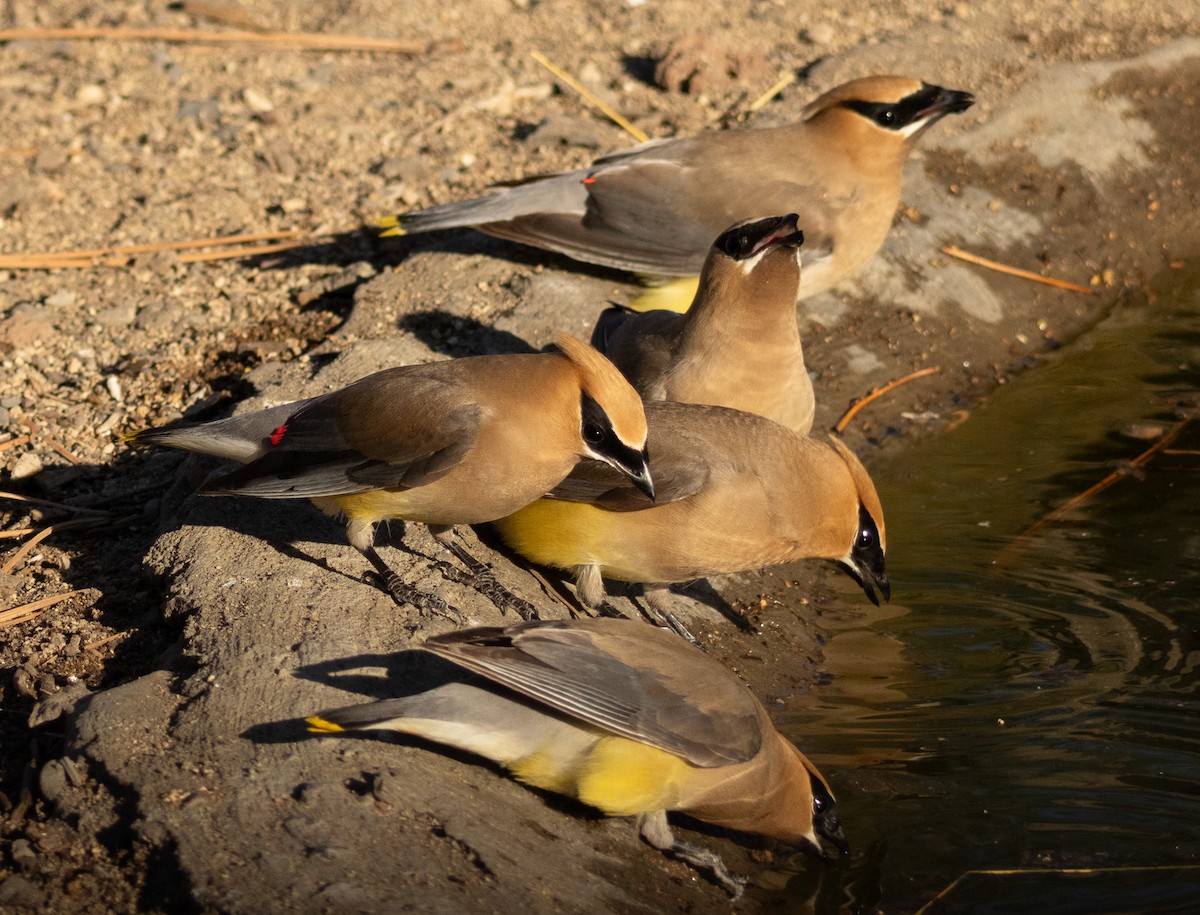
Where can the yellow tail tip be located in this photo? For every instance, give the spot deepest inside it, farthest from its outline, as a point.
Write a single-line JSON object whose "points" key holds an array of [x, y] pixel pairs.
{"points": [[319, 725], [390, 225]]}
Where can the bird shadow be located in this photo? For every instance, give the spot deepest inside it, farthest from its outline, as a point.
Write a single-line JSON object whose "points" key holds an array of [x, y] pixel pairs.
{"points": [[364, 243], [456, 336]]}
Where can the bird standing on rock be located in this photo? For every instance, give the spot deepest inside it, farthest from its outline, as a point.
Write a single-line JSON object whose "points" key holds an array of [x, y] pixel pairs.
{"points": [[444, 443], [630, 720], [733, 492], [655, 209], [739, 344]]}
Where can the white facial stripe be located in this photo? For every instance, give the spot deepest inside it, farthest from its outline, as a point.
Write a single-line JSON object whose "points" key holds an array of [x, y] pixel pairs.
{"points": [[751, 262], [912, 128]]}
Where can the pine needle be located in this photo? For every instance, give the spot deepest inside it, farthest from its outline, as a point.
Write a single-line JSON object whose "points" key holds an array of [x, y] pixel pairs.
{"points": [[120, 256], [636, 132], [31, 611], [877, 393], [782, 83], [970, 258], [292, 41]]}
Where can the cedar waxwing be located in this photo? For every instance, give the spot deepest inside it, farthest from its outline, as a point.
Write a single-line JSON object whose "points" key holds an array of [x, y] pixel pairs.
{"points": [[444, 443], [655, 209], [733, 492], [739, 344], [627, 719]]}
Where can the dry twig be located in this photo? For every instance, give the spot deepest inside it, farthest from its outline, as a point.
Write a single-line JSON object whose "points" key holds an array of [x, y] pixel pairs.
{"points": [[13, 442], [970, 258], [636, 132], [28, 545], [782, 83], [877, 393], [1118, 474], [292, 41], [31, 500], [120, 256], [31, 611]]}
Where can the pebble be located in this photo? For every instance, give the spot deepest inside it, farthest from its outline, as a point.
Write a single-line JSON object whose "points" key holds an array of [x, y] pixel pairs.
{"points": [[819, 33], [22, 854], [113, 384], [51, 159], [53, 782], [18, 893], [119, 315], [91, 94], [64, 298], [256, 101], [27, 465], [567, 131], [1144, 432]]}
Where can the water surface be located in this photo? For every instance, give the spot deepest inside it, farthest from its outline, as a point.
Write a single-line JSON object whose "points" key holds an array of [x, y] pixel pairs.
{"points": [[1028, 703]]}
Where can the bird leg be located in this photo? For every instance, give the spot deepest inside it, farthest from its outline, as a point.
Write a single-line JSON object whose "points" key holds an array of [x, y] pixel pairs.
{"points": [[658, 611], [361, 535], [481, 578], [589, 590], [657, 832]]}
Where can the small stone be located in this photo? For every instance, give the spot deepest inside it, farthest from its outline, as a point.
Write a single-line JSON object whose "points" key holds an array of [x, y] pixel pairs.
{"points": [[1144, 432], [119, 315], [412, 169], [568, 131], [256, 101], [821, 33], [52, 782], [91, 94], [18, 893], [64, 298], [27, 465], [23, 854], [113, 384], [51, 159]]}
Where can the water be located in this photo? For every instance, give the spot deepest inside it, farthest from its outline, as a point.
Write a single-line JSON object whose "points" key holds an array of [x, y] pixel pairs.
{"points": [[1028, 703]]}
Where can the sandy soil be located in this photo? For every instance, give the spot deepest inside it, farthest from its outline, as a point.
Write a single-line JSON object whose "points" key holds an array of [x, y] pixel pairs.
{"points": [[193, 631]]}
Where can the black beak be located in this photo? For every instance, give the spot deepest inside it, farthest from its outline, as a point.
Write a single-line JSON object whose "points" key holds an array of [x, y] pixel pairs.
{"points": [[945, 101], [641, 478]]}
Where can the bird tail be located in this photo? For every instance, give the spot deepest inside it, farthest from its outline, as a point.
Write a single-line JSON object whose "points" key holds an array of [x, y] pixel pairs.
{"points": [[240, 438], [539, 195]]}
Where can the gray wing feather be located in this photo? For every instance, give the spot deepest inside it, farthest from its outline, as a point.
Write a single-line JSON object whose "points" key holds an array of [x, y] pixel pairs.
{"points": [[697, 710]]}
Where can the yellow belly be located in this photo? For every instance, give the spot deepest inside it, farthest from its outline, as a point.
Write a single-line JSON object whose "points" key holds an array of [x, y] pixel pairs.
{"points": [[675, 295], [565, 535], [619, 777]]}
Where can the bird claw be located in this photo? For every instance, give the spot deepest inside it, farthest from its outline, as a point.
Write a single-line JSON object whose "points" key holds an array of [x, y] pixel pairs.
{"points": [[483, 580], [406, 595]]}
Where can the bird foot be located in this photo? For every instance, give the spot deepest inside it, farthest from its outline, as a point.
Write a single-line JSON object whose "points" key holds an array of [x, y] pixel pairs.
{"points": [[657, 831], [406, 595], [658, 613], [483, 580], [708, 860]]}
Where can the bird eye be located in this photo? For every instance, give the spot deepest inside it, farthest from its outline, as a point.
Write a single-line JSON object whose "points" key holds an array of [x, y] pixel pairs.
{"points": [[865, 536], [593, 434], [818, 804], [886, 117]]}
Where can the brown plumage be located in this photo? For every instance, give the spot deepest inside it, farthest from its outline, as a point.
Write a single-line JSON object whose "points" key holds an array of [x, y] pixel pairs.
{"points": [[734, 492], [739, 344], [655, 209], [444, 443], [629, 719]]}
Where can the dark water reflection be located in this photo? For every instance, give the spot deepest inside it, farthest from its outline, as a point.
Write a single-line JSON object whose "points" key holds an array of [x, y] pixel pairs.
{"points": [[1028, 703]]}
